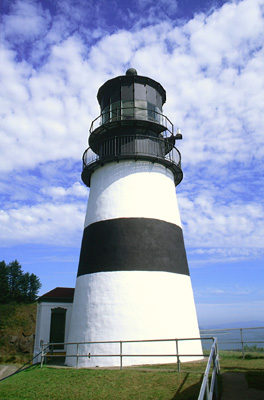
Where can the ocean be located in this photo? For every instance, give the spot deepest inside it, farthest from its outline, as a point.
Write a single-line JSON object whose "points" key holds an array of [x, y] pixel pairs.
{"points": [[230, 339]]}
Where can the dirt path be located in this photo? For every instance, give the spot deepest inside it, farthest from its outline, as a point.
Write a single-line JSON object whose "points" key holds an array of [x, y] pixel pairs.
{"points": [[235, 388]]}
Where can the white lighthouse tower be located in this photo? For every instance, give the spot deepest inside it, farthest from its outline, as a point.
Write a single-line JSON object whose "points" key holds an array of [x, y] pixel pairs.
{"points": [[133, 281]]}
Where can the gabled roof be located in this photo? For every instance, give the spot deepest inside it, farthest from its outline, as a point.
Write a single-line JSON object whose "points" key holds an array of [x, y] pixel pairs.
{"points": [[58, 295]]}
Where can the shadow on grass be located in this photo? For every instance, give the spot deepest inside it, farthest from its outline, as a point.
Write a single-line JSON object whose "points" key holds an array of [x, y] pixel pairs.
{"points": [[30, 368], [255, 379], [253, 357], [190, 393], [240, 369]]}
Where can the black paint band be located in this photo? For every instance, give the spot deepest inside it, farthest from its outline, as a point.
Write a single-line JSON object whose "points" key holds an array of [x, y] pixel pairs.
{"points": [[133, 244]]}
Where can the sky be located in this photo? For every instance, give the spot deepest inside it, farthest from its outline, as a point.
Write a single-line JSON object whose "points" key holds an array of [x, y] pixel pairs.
{"points": [[209, 56]]}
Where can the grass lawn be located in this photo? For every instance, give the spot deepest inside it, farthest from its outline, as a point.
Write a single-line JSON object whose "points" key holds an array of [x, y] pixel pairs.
{"points": [[70, 384], [142, 384]]}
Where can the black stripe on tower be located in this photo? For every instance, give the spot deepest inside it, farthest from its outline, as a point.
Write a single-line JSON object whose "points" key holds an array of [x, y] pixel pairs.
{"points": [[132, 244]]}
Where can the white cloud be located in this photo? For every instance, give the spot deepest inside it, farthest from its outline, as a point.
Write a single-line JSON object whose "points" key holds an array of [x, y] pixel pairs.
{"points": [[240, 23], [46, 223], [58, 192], [208, 222], [44, 113], [217, 110], [220, 293], [201, 257], [212, 68], [26, 21]]}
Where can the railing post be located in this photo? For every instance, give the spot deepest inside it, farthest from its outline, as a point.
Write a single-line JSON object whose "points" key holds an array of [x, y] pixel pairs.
{"points": [[178, 358], [215, 367], [217, 355], [242, 343], [77, 356], [121, 359], [207, 391], [42, 355]]}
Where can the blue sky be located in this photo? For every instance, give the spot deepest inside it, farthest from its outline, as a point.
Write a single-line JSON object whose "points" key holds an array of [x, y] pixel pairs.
{"points": [[209, 57]]}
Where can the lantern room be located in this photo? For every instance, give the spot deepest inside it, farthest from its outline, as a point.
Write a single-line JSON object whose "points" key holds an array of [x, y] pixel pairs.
{"points": [[131, 126]]}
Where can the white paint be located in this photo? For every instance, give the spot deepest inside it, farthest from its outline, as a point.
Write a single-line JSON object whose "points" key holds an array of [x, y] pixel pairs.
{"points": [[42, 334], [133, 305], [132, 189]]}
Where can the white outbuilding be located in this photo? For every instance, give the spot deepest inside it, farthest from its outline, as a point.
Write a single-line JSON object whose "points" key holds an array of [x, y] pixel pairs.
{"points": [[53, 319]]}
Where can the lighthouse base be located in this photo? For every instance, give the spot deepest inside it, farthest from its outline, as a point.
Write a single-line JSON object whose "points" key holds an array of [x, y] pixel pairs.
{"points": [[133, 305]]}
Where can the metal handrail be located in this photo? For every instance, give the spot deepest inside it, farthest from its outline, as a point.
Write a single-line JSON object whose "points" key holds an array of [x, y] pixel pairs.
{"points": [[209, 389], [230, 329], [131, 114], [242, 340], [47, 346]]}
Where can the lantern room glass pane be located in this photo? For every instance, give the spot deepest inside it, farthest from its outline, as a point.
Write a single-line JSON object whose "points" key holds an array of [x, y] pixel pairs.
{"points": [[105, 101], [141, 111], [151, 95], [116, 96], [152, 112], [140, 92], [127, 110], [115, 111], [127, 93], [158, 115], [105, 115], [159, 102]]}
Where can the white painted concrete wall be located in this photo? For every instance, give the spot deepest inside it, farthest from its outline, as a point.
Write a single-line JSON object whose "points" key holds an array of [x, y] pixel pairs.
{"points": [[130, 305], [132, 189], [133, 305], [42, 333]]}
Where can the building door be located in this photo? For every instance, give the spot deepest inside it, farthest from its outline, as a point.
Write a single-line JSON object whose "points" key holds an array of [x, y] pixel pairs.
{"points": [[57, 327]]}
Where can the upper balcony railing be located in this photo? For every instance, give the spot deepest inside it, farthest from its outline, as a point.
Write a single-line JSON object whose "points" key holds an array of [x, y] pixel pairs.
{"points": [[126, 114]]}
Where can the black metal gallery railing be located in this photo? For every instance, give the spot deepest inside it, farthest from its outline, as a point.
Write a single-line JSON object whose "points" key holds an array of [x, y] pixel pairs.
{"points": [[131, 146], [132, 114]]}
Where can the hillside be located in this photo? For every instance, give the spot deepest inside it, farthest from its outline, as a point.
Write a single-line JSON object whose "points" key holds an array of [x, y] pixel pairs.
{"points": [[17, 328]]}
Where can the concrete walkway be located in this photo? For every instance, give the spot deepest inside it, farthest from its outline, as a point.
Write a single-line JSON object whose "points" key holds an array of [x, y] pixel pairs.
{"points": [[235, 388], [6, 370]]}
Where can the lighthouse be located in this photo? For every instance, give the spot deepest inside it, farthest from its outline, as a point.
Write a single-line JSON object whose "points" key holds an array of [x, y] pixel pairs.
{"points": [[133, 280]]}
